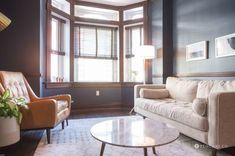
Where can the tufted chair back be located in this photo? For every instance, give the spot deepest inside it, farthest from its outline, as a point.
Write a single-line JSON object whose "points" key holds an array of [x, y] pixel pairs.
{"points": [[16, 82]]}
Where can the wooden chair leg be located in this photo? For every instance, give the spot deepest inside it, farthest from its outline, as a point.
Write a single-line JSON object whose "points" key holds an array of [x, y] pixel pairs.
{"points": [[62, 124], [213, 152], [67, 121], [48, 131]]}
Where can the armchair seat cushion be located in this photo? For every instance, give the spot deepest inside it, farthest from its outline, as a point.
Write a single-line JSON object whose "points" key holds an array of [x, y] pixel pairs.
{"points": [[61, 105]]}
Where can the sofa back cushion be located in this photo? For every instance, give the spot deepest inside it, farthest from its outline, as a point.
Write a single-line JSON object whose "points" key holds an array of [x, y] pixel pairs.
{"points": [[183, 90], [220, 86], [204, 88]]}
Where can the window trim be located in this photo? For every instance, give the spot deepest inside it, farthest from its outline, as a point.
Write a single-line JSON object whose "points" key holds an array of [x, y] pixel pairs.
{"points": [[74, 19]]}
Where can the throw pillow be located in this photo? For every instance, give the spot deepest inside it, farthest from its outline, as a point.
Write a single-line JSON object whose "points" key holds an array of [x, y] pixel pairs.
{"points": [[154, 93], [200, 106]]}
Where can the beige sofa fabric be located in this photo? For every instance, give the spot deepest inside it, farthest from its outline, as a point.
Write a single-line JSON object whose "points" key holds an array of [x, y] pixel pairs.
{"points": [[183, 90], [184, 129], [154, 93], [215, 129], [176, 110], [199, 106], [221, 117], [148, 86], [204, 88], [220, 86]]}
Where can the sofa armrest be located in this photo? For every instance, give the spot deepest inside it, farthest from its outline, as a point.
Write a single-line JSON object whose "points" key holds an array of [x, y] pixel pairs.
{"points": [[39, 114], [221, 118], [148, 86]]}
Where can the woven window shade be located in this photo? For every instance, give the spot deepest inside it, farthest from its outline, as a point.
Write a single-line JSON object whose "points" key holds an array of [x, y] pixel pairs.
{"points": [[4, 21], [95, 42]]}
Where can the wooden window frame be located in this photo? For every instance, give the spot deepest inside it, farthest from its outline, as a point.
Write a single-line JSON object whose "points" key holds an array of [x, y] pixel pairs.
{"points": [[72, 19]]}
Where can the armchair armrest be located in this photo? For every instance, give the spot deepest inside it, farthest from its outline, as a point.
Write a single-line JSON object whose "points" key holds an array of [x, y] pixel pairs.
{"points": [[65, 97], [148, 86], [39, 114], [221, 118]]}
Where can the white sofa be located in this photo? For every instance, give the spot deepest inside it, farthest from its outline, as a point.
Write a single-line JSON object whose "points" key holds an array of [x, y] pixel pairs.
{"points": [[216, 128]]}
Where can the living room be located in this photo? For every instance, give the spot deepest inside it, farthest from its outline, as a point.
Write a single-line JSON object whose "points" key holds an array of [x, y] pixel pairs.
{"points": [[117, 77]]}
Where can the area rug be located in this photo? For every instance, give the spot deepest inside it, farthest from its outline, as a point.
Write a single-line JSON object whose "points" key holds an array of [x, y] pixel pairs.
{"points": [[75, 140]]}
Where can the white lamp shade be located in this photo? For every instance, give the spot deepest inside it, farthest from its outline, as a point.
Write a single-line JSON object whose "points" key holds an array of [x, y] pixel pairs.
{"points": [[146, 51], [4, 21]]}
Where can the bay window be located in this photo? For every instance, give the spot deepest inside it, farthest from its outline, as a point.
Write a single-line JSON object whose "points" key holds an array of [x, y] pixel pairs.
{"points": [[90, 42]]}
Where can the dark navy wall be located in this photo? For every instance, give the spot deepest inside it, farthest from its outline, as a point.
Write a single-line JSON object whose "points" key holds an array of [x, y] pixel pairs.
{"points": [[85, 97], [19, 43], [199, 20], [157, 34], [162, 39]]}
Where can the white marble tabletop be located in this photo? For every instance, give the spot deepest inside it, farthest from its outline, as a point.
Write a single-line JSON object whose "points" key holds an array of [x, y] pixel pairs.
{"points": [[134, 132]]}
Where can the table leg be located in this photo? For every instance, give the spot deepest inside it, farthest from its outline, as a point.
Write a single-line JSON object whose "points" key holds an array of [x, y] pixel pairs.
{"points": [[102, 149], [145, 152], [154, 151]]}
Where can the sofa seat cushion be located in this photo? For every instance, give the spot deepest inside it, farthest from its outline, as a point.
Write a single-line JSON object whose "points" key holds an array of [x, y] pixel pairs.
{"points": [[61, 105], [176, 110]]}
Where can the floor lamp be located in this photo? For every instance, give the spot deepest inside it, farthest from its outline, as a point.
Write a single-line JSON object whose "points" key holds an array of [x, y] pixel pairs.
{"points": [[145, 52]]}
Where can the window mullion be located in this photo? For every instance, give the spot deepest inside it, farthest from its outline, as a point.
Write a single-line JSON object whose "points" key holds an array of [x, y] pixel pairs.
{"points": [[130, 41], [96, 33], [79, 40], [112, 44]]}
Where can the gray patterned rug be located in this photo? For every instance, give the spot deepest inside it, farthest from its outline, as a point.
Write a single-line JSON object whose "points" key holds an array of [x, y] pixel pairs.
{"points": [[75, 140]]}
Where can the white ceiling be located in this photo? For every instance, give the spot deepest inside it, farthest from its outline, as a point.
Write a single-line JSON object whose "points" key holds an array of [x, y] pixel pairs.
{"points": [[115, 2]]}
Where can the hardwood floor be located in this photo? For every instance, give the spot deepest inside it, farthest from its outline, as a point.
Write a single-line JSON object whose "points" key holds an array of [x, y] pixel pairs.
{"points": [[30, 139]]}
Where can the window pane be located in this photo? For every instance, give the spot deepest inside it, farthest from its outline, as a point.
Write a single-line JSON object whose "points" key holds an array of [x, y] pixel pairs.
{"points": [[95, 70], [54, 35], [54, 66], [134, 66], [104, 40], [62, 5], [60, 50], [96, 13], [95, 41], [134, 13], [88, 41]]}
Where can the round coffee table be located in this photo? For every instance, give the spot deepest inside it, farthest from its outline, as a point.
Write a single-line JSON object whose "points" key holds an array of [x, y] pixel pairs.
{"points": [[134, 132]]}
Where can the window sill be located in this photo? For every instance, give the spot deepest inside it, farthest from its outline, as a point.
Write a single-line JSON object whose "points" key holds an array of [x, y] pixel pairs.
{"points": [[51, 85]]}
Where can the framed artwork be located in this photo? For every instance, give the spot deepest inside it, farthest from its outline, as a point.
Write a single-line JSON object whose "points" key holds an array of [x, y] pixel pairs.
{"points": [[196, 51], [225, 46]]}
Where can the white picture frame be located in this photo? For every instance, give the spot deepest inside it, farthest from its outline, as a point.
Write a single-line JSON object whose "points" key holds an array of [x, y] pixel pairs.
{"points": [[225, 46], [196, 51]]}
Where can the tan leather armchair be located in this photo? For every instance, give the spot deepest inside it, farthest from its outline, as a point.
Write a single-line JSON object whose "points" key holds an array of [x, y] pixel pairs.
{"points": [[42, 113]]}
